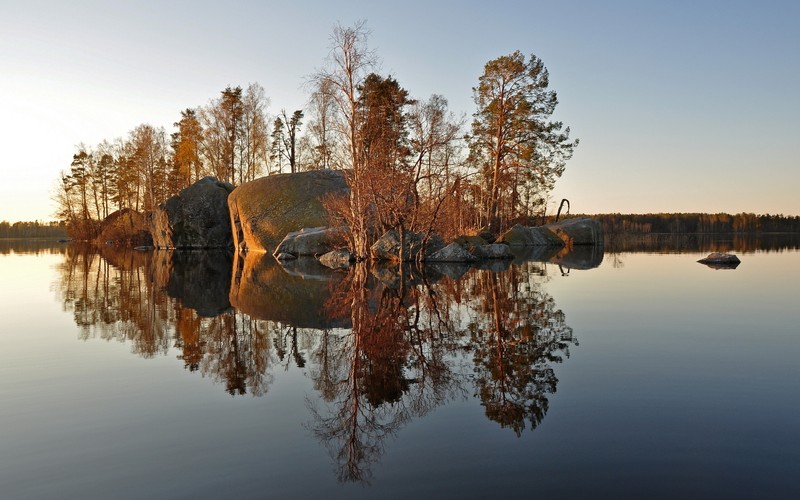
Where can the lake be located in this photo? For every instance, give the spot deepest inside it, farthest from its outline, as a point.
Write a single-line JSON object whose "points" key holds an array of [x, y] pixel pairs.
{"points": [[634, 373]]}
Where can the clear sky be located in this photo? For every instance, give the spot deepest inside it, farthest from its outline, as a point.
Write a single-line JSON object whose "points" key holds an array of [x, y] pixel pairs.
{"points": [[680, 106]]}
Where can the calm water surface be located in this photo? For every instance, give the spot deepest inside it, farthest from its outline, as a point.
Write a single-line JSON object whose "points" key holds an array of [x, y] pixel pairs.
{"points": [[179, 375]]}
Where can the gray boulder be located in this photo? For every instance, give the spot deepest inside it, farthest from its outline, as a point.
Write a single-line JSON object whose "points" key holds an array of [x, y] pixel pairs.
{"points": [[264, 211], [388, 246], [581, 231], [313, 241], [196, 218], [451, 253]]}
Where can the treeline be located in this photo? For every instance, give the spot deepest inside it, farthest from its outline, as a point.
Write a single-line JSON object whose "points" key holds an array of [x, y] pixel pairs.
{"points": [[698, 223], [411, 164], [33, 229]]}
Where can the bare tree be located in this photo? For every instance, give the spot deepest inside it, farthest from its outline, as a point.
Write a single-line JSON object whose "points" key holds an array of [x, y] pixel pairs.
{"points": [[349, 62]]}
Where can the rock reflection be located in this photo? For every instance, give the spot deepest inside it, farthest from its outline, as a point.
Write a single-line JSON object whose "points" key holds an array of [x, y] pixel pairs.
{"points": [[263, 289], [382, 345]]}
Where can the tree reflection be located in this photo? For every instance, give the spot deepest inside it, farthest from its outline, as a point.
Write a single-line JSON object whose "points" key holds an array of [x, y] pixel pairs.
{"points": [[405, 355], [514, 354], [381, 345], [144, 299], [386, 370]]}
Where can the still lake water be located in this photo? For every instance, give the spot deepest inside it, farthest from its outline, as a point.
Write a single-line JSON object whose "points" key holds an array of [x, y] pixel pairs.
{"points": [[196, 375]]}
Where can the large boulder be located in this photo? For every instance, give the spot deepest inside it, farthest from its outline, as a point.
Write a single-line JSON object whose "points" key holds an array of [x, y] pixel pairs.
{"points": [[196, 218], [125, 227], [388, 246], [314, 241], [265, 210], [581, 231]]}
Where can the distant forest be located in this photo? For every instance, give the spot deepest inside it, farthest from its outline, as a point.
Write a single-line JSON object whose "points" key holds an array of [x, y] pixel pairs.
{"points": [[680, 223], [36, 229], [697, 223]]}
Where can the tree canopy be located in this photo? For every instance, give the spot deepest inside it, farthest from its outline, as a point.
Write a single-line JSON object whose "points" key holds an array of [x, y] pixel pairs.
{"points": [[408, 162]]}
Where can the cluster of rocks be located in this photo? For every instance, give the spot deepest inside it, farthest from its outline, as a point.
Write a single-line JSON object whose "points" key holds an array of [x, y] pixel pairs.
{"points": [[285, 214]]}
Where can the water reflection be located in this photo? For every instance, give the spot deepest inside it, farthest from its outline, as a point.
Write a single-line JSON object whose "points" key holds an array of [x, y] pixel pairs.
{"points": [[382, 345], [701, 243]]}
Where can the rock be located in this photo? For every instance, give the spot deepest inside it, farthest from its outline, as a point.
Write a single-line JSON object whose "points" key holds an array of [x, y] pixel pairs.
{"points": [[718, 260], [264, 211], [196, 218], [125, 227], [337, 259], [493, 251], [451, 253], [581, 231], [388, 246], [522, 236], [314, 241], [285, 256]]}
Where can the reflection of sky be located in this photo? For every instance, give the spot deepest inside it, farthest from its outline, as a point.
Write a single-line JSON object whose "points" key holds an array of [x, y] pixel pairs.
{"points": [[685, 379], [683, 369]]}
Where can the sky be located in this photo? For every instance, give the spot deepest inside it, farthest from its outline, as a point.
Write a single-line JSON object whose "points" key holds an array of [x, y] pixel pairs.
{"points": [[680, 106]]}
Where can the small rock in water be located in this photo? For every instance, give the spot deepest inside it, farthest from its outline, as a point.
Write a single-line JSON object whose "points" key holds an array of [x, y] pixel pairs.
{"points": [[720, 260]]}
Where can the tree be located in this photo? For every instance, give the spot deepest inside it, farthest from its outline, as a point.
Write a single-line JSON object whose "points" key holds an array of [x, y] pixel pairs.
{"points": [[383, 135], [235, 142], [252, 141], [187, 165], [513, 141], [232, 109], [348, 65], [290, 139], [322, 110], [148, 156], [433, 148]]}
